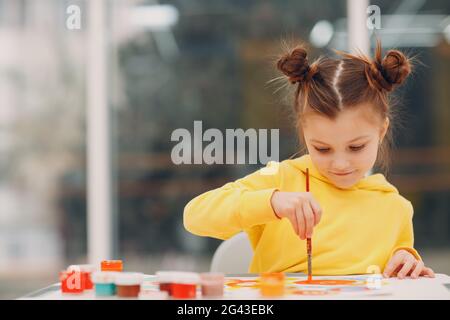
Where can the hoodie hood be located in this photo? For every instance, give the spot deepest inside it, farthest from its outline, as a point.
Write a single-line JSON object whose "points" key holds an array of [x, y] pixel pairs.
{"points": [[375, 182]]}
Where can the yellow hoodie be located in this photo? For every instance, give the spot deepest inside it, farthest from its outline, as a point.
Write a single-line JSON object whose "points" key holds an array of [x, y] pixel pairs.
{"points": [[361, 227]]}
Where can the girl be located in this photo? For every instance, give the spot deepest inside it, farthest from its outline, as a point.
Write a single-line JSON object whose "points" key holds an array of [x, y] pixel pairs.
{"points": [[356, 221]]}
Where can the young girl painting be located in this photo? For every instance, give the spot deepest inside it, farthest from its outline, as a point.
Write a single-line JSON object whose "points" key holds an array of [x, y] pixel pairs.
{"points": [[356, 219]]}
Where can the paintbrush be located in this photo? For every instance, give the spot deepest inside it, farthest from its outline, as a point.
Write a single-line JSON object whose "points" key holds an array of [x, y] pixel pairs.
{"points": [[308, 240]]}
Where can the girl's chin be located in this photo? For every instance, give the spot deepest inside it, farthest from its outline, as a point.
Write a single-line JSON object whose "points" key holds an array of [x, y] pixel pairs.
{"points": [[344, 183], [344, 186]]}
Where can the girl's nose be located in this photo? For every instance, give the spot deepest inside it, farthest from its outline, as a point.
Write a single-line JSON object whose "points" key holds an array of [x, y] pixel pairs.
{"points": [[340, 164]]}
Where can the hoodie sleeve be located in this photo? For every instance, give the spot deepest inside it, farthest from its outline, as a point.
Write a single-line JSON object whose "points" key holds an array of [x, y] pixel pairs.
{"points": [[242, 204], [405, 240]]}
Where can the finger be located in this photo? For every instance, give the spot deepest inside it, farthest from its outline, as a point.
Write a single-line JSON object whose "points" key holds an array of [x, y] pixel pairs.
{"points": [[427, 272], [294, 222], [309, 219], [397, 270], [407, 266], [392, 265], [317, 211], [417, 270], [300, 222]]}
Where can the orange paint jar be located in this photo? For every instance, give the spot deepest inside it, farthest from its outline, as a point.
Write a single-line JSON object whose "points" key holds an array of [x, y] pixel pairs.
{"points": [[112, 265], [272, 284], [184, 285]]}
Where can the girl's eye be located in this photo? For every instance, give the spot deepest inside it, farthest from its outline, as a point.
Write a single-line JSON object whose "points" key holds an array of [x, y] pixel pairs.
{"points": [[357, 148], [323, 150]]}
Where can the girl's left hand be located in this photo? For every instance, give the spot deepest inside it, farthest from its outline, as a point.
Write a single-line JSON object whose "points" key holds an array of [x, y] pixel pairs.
{"points": [[403, 263]]}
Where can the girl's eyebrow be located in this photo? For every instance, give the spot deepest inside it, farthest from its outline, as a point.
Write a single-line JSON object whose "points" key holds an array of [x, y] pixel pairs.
{"points": [[314, 140], [357, 138], [360, 137]]}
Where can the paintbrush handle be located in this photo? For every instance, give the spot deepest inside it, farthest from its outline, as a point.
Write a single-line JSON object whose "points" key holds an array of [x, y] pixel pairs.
{"points": [[308, 240], [309, 250]]}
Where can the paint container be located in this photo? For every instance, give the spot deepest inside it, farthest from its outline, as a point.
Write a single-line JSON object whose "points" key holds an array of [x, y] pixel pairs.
{"points": [[86, 273], [184, 285], [104, 283], [128, 284], [272, 284], [212, 284], [71, 282], [165, 280], [112, 265], [146, 294]]}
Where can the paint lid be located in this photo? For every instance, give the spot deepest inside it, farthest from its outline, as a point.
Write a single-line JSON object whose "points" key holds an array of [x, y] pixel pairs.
{"points": [[212, 278], [81, 267], [129, 278], [186, 277], [112, 265], [272, 277], [146, 294], [165, 276], [103, 277]]}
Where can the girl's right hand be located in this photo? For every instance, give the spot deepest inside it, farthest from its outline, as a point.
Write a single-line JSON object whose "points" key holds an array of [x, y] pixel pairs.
{"points": [[300, 208]]}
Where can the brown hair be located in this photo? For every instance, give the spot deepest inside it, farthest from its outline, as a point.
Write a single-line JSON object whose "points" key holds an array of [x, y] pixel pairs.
{"points": [[328, 85]]}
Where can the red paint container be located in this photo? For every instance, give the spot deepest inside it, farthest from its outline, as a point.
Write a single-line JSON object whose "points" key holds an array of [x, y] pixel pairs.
{"points": [[167, 287], [86, 274], [71, 282], [184, 285], [128, 284], [165, 280]]}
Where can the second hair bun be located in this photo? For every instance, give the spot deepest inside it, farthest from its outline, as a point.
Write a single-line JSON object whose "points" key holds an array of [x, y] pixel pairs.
{"points": [[295, 65], [390, 72]]}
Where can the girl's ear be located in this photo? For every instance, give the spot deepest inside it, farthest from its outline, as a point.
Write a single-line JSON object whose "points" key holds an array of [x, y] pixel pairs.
{"points": [[384, 129]]}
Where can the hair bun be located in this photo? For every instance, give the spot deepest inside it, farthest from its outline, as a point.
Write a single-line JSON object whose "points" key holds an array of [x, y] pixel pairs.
{"points": [[390, 72], [396, 67], [295, 66]]}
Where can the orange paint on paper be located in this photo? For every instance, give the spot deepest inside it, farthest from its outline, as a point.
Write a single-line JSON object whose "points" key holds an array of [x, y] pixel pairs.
{"points": [[327, 282], [313, 292], [238, 283]]}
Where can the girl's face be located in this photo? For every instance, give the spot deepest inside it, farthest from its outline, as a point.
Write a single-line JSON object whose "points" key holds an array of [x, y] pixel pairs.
{"points": [[344, 149]]}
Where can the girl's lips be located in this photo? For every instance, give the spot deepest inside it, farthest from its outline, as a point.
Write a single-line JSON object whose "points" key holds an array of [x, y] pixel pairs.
{"points": [[342, 173]]}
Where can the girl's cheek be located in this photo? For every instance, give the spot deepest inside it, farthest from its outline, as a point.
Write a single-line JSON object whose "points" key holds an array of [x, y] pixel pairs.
{"points": [[367, 158], [319, 160], [322, 165]]}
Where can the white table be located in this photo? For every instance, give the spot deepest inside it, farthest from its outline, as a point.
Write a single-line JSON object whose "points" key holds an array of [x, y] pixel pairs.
{"points": [[416, 289]]}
